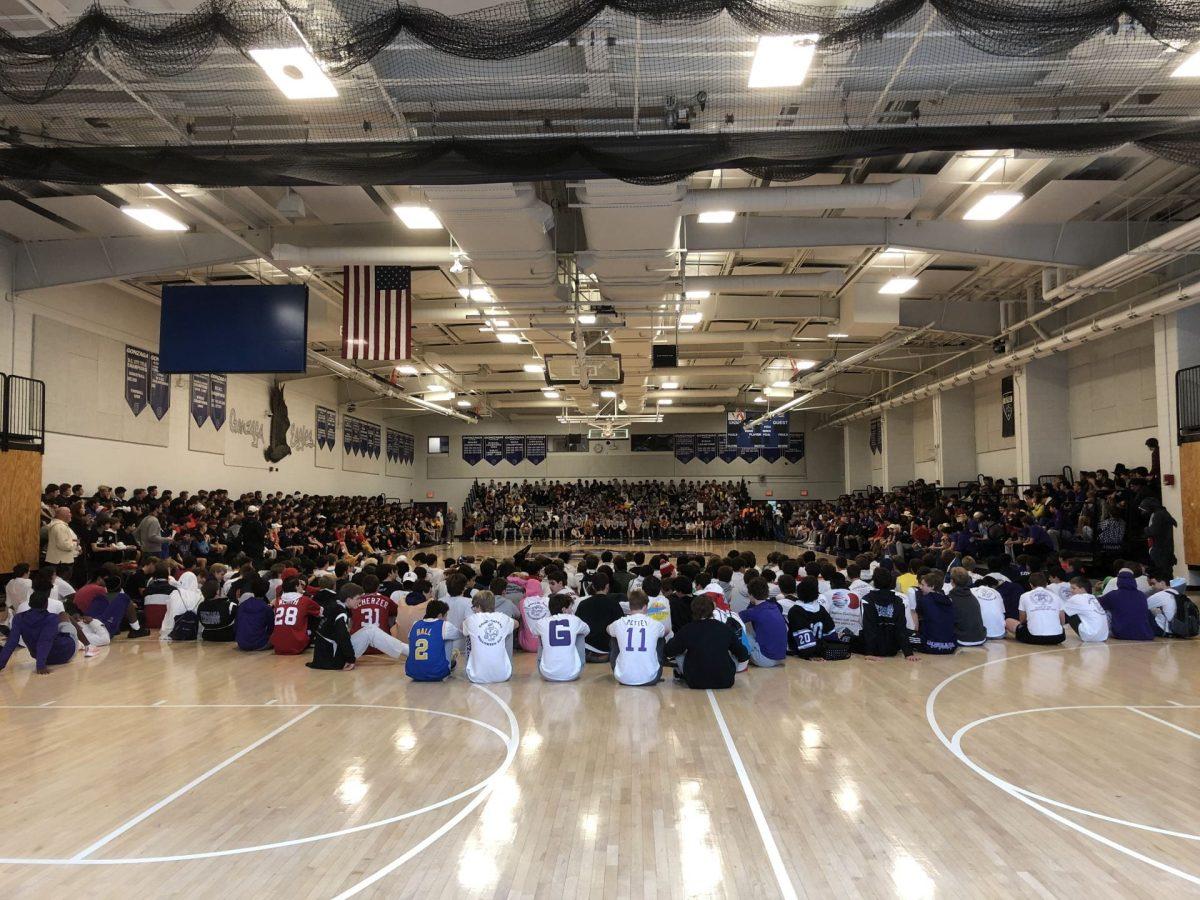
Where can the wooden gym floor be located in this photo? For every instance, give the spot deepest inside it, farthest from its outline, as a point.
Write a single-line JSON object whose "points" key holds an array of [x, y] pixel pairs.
{"points": [[1005, 771]]}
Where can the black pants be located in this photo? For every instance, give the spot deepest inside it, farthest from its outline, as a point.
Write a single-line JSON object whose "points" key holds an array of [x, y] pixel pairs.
{"points": [[1025, 637]]}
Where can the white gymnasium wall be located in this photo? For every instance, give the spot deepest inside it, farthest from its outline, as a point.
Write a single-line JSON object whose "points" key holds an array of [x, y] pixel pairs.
{"points": [[924, 441], [1113, 400], [995, 454], [448, 477], [106, 316]]}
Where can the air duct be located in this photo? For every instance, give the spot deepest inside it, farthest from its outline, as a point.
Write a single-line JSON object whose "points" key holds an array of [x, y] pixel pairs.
{"points": [[895, 195], [381, 388], [798, 281], [332, 256]]}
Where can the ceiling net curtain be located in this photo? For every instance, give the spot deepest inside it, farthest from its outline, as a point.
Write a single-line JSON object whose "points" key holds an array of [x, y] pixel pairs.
{"points": [[643, 90]]}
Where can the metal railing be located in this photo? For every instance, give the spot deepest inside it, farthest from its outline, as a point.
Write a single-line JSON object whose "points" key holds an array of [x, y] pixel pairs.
{"points": [[22, 413], [1187, 403]]}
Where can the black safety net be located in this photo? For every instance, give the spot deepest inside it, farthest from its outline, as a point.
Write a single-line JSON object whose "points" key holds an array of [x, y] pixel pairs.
{"points": [[643, 90]]}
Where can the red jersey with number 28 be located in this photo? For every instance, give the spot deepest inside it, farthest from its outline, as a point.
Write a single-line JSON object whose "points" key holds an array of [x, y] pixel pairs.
{"points": [[292, 612]]}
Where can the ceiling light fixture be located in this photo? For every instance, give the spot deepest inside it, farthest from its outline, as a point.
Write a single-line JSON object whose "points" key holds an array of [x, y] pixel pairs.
{"points": [[692, 318], [500, 323], [665, 401], [463, 404], [837, 335], [295, 72], [781, 384], [670, 385], [418, 218], [1189, 68], [803, 365], [697, 295], [479, 294], [995, 166], [508, 337], [587, 319], [993, 206], [154, 218], [534, 368], [782, 60], [760, 399], [608, 395], [407, 370], [716, 217], [440, 396], [457, 266], [900, 285], [550, 395]]}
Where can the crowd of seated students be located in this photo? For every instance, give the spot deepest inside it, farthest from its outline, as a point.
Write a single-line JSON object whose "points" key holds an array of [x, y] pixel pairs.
{"points": [[1098, 515], [707, 617], [614, 510]]}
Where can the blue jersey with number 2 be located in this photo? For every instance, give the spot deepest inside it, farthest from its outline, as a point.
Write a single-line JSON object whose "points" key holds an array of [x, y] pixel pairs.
{"points": [[426, 652]]}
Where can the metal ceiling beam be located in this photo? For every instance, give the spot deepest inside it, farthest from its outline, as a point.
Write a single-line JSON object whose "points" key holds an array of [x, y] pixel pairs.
{"points": [[1083, 244]]}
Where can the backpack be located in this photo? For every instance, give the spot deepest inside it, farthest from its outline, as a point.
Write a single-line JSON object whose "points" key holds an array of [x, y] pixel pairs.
{"points": [[186, 627], [1186, 623]]}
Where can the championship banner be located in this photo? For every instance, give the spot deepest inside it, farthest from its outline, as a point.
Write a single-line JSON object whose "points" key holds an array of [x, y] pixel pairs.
{"points": [[198, 401], [472, 449], [706, 447], [771, 454], [748, 454], [493, 448], [535, 448], [218, 394], [685, 447], [393, 445], [795, 448], [350, 435], [374, 435], [1008, 411], [137, 378], [514, 448], [876, 439], [727, 448], [326, 427], [408, 446], [160, 389]]}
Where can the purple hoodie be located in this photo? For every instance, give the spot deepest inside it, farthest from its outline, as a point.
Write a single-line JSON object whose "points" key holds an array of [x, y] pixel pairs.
{"points": [[1128, 611]]}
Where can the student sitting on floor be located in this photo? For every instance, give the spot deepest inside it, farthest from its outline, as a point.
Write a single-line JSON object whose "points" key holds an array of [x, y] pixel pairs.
{"points": [[884, 632], [935, 615], [766, 628], [217, 614], [599, 610], [490, 634], [635, 640], [969, 630], [1084, 612], [255, 617], [49, 636], [1041, 616], [1163, 602], [561, 635], [705, 650], [431, 642], [1128, 611]]}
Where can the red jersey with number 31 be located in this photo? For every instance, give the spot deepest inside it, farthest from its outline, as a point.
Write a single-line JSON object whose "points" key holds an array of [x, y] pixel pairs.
{"points": [[292, 612], [373, 609]]}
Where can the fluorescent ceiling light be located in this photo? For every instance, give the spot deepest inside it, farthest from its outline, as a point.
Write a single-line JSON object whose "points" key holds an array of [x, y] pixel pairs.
{"points": [[463, 404], [898, 286], [608, 395], [670, 385], [1189, 68], [803, 365], [440, 396], [778, 392], [665, 401], [697, 295], [154, 218], [295, 72], [418, 218], [550, 395], [508, 337], [782, 60], [534, 367], [407, 370], [716, 217], [499, 323], [478, 294], [837, 335], [692, 318], [587, 319], [994, 167], [760, 399], [781, 384], [434, 386], [993, 206]]}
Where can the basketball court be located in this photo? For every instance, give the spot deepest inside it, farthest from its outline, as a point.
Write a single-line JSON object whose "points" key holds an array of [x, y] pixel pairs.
{"points": [[997, 771]]}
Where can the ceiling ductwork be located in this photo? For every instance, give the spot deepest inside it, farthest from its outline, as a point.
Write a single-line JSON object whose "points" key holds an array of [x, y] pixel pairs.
{"points": [[901, 195], [799, 281], [351, 256]]}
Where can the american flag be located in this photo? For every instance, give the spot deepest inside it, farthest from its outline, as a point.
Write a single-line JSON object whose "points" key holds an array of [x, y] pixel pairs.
{"points": [[377, 312]]}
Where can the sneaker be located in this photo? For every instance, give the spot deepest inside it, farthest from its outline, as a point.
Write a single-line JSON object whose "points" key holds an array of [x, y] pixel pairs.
{"points": [[90, 651], [679, 677], [140, 633]]}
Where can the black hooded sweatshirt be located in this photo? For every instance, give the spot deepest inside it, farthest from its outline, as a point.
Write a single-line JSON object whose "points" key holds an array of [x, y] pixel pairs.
{"points": [[884, 632], [331, 644]]}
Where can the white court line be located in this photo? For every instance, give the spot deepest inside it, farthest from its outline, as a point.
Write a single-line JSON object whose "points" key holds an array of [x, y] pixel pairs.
{"points": [[764, 830], [514, 741], [270, 703], [1164, 722], [48, 703], [158, 703], [1175, 703], [1011, 790], [145, 814]]}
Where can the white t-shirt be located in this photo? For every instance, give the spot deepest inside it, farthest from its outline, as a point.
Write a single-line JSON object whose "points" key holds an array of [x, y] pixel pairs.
{"points": [[559, 658], [61, 589], [1062, 588], [860, 587], [659, 609], [460, 608], [637, 648], [991, 609], [489, 660], [53, 605], [1163, 606], [1093, 620], [1041, 608], [846, 609], [910, 609]]}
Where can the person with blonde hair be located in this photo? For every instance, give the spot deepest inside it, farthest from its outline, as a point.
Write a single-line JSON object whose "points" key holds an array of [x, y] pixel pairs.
{"points": [[490, 634]]}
